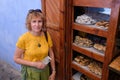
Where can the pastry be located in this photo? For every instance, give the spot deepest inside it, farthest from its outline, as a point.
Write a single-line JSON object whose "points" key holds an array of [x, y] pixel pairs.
{"points": [[102, 24], [99, 47]]}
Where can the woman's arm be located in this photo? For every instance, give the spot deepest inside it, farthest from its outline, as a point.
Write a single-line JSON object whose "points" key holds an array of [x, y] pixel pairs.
{"points": [[51, 54], [52, 59], [18, 58]]}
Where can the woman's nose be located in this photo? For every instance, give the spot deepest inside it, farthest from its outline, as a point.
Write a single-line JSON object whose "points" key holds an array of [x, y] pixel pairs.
{"points": [[37, 23]]}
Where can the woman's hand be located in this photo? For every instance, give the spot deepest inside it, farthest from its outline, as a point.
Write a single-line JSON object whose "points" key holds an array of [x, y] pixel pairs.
{"points": [[39, 65], [52, 76]]}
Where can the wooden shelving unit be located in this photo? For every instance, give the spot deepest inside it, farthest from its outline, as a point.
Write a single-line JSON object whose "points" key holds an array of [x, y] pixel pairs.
{"points": [[60, 18], [109, 34]]}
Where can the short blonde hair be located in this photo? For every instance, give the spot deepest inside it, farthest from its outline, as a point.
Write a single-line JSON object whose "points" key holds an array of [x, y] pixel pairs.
{"points": [[32, 14]]}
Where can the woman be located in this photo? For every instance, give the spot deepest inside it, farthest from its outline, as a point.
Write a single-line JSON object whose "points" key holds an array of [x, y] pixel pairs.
{"points": [[33, 47]]}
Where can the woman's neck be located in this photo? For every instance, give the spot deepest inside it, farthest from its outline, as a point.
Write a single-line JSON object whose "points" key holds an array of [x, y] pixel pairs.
{"points": [[36, 33]]}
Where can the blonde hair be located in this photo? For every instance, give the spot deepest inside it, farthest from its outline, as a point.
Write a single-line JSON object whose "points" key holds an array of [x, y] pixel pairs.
{"points": [[32, 14]]}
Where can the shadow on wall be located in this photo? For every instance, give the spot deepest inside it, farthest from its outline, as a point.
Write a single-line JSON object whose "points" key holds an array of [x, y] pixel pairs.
{"points": [[12, 25]]}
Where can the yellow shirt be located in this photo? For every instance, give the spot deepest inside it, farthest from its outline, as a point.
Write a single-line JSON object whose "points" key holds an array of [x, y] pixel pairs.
{"points": [[36, 47]]}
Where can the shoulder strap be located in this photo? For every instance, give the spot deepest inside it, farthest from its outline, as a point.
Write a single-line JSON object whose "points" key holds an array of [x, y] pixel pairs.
{"points": [[46, 35]]}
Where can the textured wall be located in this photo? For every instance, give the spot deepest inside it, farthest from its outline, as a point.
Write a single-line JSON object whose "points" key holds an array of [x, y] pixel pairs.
{"points": [[12, 25]]}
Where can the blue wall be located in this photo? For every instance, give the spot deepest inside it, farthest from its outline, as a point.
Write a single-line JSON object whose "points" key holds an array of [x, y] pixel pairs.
{"points": [[12, 25]]}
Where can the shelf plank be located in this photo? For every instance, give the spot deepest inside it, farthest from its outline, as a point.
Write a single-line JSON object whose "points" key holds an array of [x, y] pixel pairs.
{"points": [[85, 71], [91, 52], [115, 65], [90, 29], [93, 3]]}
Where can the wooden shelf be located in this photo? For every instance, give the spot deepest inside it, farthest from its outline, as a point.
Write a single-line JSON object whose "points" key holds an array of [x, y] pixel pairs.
{"points": [[93, 3], [109, 34], [85, 70], [60, 19], [90, 29], [92, 53], [115, 65]]}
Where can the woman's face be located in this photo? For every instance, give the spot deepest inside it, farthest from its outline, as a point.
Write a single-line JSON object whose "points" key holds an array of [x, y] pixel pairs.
{"points": [[36, 24]]}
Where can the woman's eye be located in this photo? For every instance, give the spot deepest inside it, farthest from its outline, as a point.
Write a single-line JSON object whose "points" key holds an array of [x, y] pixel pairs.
{"points": [[33, 21], [40, 21], [36, 21]]}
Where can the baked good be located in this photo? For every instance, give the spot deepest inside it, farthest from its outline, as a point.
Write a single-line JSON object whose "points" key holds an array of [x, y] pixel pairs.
{"points": [[99, 47], [102, 24], [77, 59]]}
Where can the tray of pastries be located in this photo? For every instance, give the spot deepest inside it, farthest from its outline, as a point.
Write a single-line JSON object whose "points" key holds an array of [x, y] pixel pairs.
{"points": [[92, 65], [95, 67], [102, 24], [82, 60], [83, 42], [85, 19], [99, 47], [97, 19]]}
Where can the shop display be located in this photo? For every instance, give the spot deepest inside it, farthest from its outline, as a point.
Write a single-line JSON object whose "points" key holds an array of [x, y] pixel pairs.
{"points": [[97, 43]]}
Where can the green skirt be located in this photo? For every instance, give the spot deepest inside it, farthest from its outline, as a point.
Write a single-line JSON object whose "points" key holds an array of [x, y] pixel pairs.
{"points": [[31, 73]]}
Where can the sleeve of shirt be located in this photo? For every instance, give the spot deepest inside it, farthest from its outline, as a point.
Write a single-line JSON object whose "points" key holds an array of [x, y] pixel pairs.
{"points": [[21, 42], [49, 40]]}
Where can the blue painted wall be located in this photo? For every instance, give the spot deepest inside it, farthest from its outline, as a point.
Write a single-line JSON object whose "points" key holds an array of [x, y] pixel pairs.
{"points": [[12, 25]]}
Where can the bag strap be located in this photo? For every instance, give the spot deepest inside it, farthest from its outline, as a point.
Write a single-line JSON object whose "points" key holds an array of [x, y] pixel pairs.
{"points": [[46, 35]]}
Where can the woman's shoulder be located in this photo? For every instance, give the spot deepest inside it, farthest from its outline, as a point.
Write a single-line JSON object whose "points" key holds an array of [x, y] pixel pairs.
{"points": [[24, 35]]}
